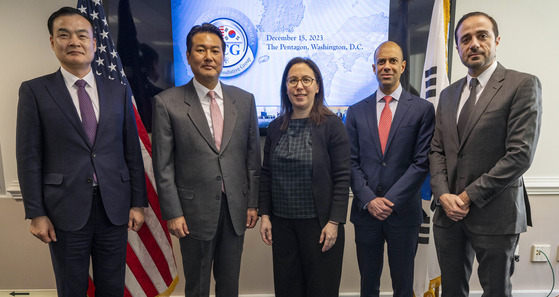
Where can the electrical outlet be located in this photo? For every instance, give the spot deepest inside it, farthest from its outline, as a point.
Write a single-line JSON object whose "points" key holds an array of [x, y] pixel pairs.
{"points": [[537, 255]]}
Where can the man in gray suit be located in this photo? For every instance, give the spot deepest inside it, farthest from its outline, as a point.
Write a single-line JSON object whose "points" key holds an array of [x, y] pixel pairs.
{"points": [[206, 156], [485, 139]]}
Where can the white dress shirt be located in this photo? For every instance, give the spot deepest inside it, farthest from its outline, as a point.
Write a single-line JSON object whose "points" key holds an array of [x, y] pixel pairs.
{"points": [[90, 88], [483, 79], [393, 103], [205, 100]]}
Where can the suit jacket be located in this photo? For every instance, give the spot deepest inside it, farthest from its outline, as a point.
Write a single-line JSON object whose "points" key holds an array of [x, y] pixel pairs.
{"points": [[189, 169], [56, 160], [330, 169], [399, 173], [497, 148]]}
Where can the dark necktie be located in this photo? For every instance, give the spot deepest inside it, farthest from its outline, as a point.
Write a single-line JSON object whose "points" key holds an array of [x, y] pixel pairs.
{"points": [[467, 108], [384, 123], [89, 121]]}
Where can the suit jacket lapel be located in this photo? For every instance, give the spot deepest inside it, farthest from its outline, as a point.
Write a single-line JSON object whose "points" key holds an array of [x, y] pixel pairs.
{"points": [[493, 85], [104, 106], [403, 107], [371, 115], [229, 117], [197, 115], [60, 95]]}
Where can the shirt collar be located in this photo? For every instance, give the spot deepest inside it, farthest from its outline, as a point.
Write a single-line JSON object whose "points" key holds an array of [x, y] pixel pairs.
{"points": [[202, 91], [395, 95], [71, 79], [484, 77]]}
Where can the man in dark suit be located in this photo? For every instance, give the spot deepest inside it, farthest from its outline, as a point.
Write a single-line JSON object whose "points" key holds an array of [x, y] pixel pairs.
{"points": [[389, 164], [206, 154], [485, 139], [79, 163]]}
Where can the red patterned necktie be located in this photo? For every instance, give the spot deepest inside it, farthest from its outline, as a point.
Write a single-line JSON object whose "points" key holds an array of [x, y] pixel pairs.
{"points": [[217, 120], [384, 123]]}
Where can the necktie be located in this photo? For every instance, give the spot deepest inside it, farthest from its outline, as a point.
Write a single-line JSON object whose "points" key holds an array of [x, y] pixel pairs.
{"points": [[217, 120], [217, 123], [384, 123], [89, 121], [467, 108]]}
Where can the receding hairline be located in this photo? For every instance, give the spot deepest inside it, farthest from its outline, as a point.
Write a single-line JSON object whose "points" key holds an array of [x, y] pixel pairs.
{"points": [[389, 44]]}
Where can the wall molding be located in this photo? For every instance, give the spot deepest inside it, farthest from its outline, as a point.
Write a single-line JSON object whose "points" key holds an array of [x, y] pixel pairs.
{"points": [[544, 185], [14, 191]]}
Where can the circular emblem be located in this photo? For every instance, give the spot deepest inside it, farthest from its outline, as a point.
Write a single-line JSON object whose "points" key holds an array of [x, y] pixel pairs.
{"points": [[240, 39]]}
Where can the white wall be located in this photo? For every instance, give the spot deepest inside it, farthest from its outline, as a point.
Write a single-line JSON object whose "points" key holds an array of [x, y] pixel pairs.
{"points": [[528, 43]]}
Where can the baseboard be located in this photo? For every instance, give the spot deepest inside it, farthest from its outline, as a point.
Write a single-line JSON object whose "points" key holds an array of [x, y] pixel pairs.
{"points": [[28, 293], [52, 293], [523, 293], [517, 293]]}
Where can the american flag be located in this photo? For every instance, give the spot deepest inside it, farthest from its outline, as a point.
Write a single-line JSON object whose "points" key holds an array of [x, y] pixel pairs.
{"points": [[150, 264]]}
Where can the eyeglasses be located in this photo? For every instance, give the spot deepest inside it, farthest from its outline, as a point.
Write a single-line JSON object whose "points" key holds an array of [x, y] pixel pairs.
{"points": [[305, 80]]}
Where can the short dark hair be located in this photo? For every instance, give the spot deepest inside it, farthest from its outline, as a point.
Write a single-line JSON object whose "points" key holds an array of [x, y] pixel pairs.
{"points": [[319, 110], [66, 11], [204, 28], [472, 14]]}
